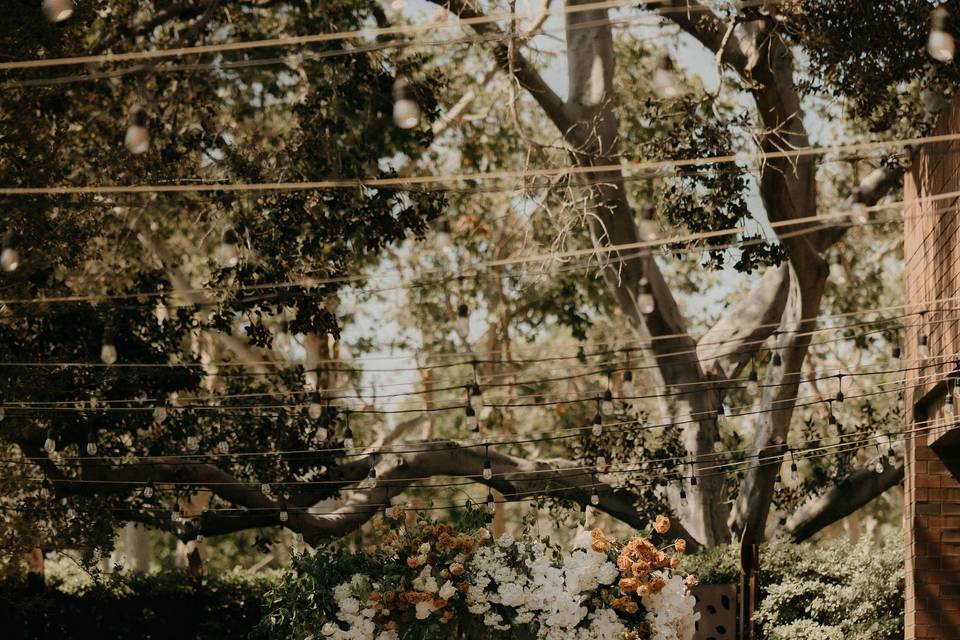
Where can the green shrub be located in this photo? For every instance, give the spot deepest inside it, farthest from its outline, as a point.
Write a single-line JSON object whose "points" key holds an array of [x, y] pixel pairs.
{"points": [[839, 591], [156, 607]]}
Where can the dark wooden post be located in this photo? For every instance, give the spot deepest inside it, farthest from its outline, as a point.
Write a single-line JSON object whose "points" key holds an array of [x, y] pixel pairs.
{"points": [[749, 565]]}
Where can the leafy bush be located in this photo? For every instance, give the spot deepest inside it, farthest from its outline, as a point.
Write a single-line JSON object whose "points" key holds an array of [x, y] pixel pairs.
{"points": [[840, 591], [157, 607]]}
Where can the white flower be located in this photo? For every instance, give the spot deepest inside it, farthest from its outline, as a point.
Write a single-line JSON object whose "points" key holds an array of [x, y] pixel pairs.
{"points": [[671, 612], [425, 581], [328, 629], [423, 610], [350, 606], [341, 591], [424, 548], [505, 540], [447, 591]]}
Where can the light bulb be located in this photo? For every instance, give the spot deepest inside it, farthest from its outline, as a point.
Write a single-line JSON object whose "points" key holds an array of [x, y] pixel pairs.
{"points": [[223, 447], [91, 447], [491, 505], [476, 398], [606, 405], [406, 112], [199, 537], [315, 409], [601, 463], [879, 466], [891, 457], [160, 414], [322, 434], [265, 489], [471, 418], [463, 319], [148, 490], [753, 382], [193, 443], [895, 352], [444, 238], [948, 406], [57, 10], [487, 470], [683, 496], [596, 426], [594, 499], [229, 248], [627, 387], [794, 472], [777, 360], [137, 139], [838, 272], [45, 490], [284, 516], [646, 301], [348, 444], [940, 44], [9, 256], [665, 83], [50, 444], [923, 347], [108, 347], [583, 515], [777, 484]]}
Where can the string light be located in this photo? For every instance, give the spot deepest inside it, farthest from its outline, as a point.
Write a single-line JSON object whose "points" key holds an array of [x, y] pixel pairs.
{"points": [[92, 443], [476, 397], [839, 397], [923, 347], [948, 407], [444, 237], [940, 44], [838, 272], [601, 463], [794, 471], [683, 494], [665, 82], [9, 256], [193, 443], [627, 385], [606, 404], [879, 466], [347, 433], [265, 488], [895, 352], [777, 361], [229, 248], [583, 515], [223, 447], [45, 489], [471, 418], [284, 515], [596, 425], [463, 319], [370, 482], [58, 10], [891, 457], [159, 414], [487, 465], [778, 483], [753, 381], [406, 111], [594, 496], [108, 347], [50, 444], [646, 301], [137, 139], [491, 504], [315, 408], [148, 490]]}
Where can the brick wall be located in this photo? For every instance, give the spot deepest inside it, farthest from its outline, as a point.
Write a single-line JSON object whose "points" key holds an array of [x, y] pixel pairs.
{"points": [[932, 491]]}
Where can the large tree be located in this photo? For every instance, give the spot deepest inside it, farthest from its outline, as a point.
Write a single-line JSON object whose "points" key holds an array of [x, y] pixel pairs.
{"points": [[95, 265]]}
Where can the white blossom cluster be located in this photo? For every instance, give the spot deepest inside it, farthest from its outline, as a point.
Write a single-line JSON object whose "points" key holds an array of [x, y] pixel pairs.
{"points": [[513, 583]]}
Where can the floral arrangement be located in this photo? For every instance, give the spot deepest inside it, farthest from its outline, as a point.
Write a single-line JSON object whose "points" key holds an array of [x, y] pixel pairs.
{"points": [[431, 581]]}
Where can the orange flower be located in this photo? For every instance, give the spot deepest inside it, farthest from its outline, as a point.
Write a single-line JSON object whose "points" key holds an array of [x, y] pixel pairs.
{"points": [[631, 607], [692, 581], [629, 584], [374, 596], [680, 545], [456, 569], [657, 584], [662, 524], [447, 615], [392, 625]]}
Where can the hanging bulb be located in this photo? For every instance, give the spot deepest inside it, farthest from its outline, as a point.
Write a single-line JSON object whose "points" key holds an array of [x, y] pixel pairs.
{"points": [[948, 407], [683, 495], [831, 419], [487, 469], [45, 489], [406, 112], [838, 272], [137, 139], [940, 44], [753, 382], [199, 538], [601, 463], [923, 347], [665, 83], [444, 237], [858, 214], [627, 387], [879, 466], [91, 445], [370, 482], [476, 398], [50, 444], [471, 420], [778, 484], [159, 414], [646, 300], [193, 443], [322, 434], [284, 516], [265, 489], [583, 515], [57, 10], [491, 505], [315, 408], [463, 319], [148, 490], [596, 425], [108, 347], [777, 361], [229, 248], [594, 498], [223, 447], [794, 472], [895, 352], [9, 256], [606, 404], [348, 439]]}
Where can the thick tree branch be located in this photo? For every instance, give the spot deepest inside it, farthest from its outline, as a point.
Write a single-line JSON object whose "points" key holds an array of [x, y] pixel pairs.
{"points": [[855, 492]]}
